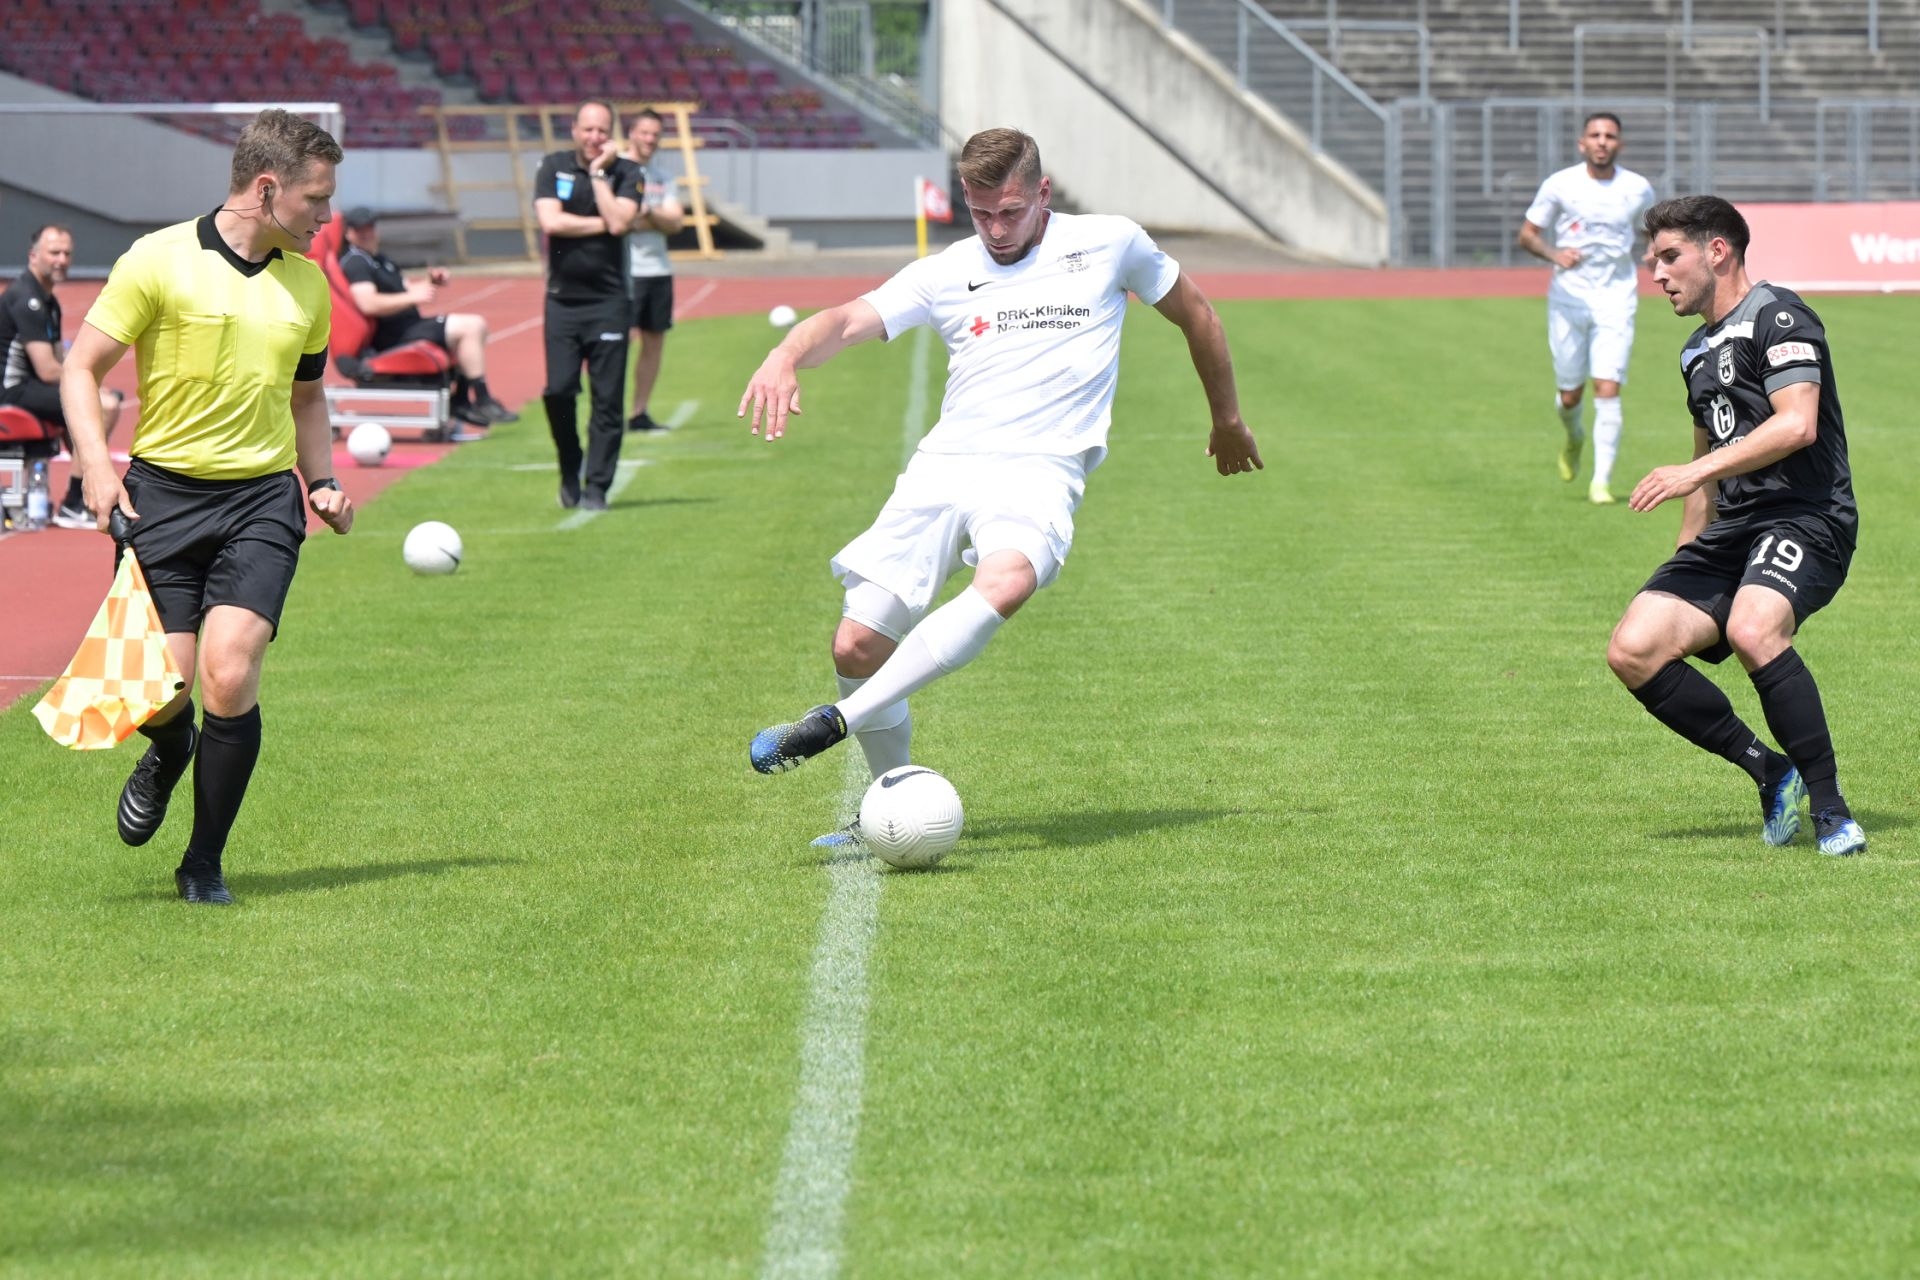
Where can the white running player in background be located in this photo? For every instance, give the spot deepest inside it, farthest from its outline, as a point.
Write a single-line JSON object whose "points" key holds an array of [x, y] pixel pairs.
{"points": [[1593, 210], [1030, 309]]}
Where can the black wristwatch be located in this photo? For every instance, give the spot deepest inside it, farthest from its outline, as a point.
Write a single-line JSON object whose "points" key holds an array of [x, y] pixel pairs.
{"points": [[324, 482]]}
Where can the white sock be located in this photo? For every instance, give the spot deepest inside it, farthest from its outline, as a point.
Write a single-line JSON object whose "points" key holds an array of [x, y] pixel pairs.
{"points": [[1606, 437], [946, 640], [1569, 415], [888, 738]]}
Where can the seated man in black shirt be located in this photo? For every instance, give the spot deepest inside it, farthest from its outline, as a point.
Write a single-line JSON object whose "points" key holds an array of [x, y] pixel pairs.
{"points": [[384, 297], [32, 350]]}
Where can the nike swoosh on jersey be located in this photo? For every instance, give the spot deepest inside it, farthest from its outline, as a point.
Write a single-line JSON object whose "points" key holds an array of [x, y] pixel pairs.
{"points": [[971, 286]]}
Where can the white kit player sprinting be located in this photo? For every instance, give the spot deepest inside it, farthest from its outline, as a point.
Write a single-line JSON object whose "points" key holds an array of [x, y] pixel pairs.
{"points": [[1594, 210], [1030, 309]]}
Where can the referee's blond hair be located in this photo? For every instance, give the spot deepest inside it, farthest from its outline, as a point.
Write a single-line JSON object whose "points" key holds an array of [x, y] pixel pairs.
{"points": [[283, 144], [993, 156]]}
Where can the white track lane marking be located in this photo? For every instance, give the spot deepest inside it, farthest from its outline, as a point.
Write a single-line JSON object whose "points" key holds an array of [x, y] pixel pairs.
{"points": [[816, 1172], [700, 295]]}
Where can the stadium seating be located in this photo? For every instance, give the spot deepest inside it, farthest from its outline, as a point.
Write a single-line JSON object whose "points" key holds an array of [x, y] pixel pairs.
{"points": [[508, 50], [512, 51], [206, 50]]}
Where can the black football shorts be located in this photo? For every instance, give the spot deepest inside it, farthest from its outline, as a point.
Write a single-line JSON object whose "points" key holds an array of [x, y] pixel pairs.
{"points": [[203, 543], [653, 303], [1797, 556]]}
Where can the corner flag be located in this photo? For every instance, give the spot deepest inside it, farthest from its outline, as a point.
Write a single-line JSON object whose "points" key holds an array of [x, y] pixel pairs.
{"points": [[930, 203]]}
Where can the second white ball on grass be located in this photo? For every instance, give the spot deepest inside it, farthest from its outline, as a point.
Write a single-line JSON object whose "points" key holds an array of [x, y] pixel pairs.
{"points": [[369, 443], [432, 548]]}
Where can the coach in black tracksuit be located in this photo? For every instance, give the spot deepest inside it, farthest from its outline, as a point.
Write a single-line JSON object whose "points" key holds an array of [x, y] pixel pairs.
{"points": [[586, 200]]}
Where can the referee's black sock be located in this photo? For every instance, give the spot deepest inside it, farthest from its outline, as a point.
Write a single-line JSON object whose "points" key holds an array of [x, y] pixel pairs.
{"points": [[1682, 698], [172, 741], [1791, 702], [229, 746]]}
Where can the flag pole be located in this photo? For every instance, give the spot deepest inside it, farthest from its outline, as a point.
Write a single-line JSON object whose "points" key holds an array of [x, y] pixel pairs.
{"points": [[920, 216]]}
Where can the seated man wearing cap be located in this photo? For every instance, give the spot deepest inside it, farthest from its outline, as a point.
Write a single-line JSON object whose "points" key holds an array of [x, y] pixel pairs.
{"points": [[384, 297]]}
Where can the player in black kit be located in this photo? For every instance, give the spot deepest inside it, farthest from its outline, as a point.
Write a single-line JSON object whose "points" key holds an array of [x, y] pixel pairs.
{"points": [[1769, 547], [586, 200]]}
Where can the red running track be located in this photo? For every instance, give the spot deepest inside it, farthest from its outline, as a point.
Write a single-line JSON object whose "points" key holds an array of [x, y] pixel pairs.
{"points": [[51, 582]]}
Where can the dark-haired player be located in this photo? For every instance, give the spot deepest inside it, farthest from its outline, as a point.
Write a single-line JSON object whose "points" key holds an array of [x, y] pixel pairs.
{"points": [[1768, 546]]}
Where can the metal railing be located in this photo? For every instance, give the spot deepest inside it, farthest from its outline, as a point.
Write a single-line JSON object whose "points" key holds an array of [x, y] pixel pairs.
{"points": [[1780, 28], [1462, 174], [836, 45], [1333, 26], [1267, 59], [1670, 33], [1880, 145]]}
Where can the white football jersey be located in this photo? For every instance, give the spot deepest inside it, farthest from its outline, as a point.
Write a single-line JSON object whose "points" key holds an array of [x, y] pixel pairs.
{"points": [[1602, 220], [1034, 348]]}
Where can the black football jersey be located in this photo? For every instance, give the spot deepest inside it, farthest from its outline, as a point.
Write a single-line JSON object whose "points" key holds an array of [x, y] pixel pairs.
{"points": [[585, 268], [1771, 340]]}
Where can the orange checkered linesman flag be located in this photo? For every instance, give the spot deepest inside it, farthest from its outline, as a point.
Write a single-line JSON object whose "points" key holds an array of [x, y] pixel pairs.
{"points": [[122, 674]]}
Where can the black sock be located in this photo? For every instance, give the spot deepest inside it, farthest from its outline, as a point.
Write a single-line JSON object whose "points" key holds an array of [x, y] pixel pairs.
{"points": [[75, 494], [172, 742], [479, 390], [460, 388], [1791, 702], [1682, 698], [229, 746]]}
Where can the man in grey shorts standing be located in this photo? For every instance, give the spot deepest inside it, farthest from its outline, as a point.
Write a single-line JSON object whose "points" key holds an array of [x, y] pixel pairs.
{"points": [[660, 216]]}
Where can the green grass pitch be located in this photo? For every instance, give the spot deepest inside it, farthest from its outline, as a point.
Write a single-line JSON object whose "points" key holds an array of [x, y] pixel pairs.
{"points": [[1325, 908]]}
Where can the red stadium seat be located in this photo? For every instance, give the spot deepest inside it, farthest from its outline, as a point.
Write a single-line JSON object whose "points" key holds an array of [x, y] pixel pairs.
{"points": [[410, 363]]}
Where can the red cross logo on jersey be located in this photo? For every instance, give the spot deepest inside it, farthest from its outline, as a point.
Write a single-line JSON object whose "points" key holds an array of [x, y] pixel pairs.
{"points": [[979, 325]]}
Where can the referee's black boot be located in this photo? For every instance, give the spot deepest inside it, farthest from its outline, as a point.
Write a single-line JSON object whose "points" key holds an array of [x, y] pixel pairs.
{"points": [[143, 801], [202, 884]]}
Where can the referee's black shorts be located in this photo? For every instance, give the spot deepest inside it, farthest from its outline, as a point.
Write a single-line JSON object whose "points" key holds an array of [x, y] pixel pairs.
{"points": [[203, 543]]}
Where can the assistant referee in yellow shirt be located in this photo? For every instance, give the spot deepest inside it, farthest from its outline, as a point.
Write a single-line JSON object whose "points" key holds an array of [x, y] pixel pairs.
{"points": [[228, 320]]}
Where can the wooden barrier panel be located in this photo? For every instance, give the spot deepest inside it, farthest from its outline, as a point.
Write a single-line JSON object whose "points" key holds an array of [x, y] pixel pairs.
{"points": [[679, 133]]}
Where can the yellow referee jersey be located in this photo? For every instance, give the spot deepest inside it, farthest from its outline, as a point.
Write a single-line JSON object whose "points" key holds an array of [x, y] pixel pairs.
{"points": [[219, 341]]}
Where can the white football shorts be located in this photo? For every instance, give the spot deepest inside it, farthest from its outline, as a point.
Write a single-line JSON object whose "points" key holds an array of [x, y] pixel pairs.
{"points": [[1589, 341], [950, 509]]}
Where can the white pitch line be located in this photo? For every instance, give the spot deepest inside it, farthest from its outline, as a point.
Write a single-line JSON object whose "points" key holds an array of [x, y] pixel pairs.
{"points": [[700, 295], [816, 1171], [512, 330], [469, 299]]}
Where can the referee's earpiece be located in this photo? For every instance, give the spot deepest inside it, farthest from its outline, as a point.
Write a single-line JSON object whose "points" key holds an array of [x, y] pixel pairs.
{"points": [[266, 192]]}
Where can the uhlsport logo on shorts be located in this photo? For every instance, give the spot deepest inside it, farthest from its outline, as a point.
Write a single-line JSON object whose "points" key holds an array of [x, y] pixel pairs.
{"points": [[1725, 367]]}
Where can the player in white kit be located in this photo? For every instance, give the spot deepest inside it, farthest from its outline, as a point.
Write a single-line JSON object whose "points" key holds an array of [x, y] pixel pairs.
{"points": [[1030, 309], [1593, 210]]}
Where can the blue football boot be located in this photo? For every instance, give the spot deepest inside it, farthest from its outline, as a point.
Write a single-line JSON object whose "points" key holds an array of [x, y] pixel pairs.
{"points": [[1839, 836], [781, 747], [1780, 808]]}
